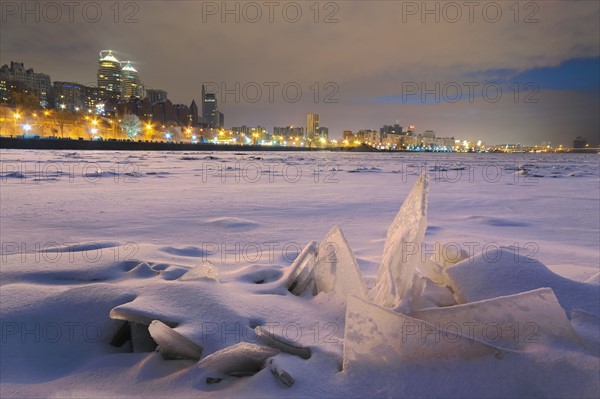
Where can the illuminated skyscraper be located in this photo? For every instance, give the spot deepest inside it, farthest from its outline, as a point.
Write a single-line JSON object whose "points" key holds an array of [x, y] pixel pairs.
{"points": [[132, 85], [109, 75], [312, 125], [210, 111]]}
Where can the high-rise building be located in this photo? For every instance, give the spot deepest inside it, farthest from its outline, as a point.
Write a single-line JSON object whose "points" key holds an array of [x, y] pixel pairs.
{"points": [[221, 120], [109, 75], [210, 111], [132, 85], [312, 125], [194, 113]]}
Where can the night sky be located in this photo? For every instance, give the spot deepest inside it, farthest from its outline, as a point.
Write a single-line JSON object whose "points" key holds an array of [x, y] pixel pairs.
{"points": [[359, 64]]}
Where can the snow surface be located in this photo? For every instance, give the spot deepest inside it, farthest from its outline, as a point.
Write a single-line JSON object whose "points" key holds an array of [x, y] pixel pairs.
{"points": [[91, 239]]}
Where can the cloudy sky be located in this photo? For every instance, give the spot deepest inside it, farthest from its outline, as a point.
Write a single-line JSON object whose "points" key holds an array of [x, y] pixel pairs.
{"points": [[503, 72]]}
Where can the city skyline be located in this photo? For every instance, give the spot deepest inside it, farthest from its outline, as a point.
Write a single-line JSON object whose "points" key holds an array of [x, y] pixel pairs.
{"points": [[435, 74]]}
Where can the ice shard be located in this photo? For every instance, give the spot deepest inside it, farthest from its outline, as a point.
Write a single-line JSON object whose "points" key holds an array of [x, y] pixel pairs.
{"points": [[281, 343], [402, 250], [516, 322], [336, 269], [205, 270], [281, 375], [134, 327], [173, 345], [302, 270], [242, 359], [378, 336]]}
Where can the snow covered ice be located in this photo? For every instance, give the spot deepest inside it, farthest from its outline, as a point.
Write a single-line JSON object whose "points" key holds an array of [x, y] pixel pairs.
{"points": [[171, 344], [504, 272], [234, 289]]}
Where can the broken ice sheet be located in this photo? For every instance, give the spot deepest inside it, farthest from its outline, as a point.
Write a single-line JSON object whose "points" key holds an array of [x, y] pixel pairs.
{"points": [[134, 328], [280, 374], [173, 345], [281, 343], [242, 359], [516, 322], [205, 270], [402, 250], [301, 271], [378, 336]]}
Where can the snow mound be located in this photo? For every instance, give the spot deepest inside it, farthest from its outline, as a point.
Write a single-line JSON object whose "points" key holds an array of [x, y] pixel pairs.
{"points": [[587, 327], [129, 312], [497, 222], [232, 223], [185, 251], [503, 271]]}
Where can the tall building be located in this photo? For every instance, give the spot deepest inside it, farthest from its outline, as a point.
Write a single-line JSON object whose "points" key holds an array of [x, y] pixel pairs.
{"points": [[132, 85], [194, 113], [210, 111], [109, 75], [221, 120], [312, 125]]}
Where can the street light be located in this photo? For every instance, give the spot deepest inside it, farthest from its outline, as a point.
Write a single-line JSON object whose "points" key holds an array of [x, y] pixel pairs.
{"points": [[26, 128]]}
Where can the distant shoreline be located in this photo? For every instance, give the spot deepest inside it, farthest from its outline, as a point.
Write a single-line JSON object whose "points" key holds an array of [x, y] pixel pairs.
{"points": [[125, 145], [19, 143]]}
